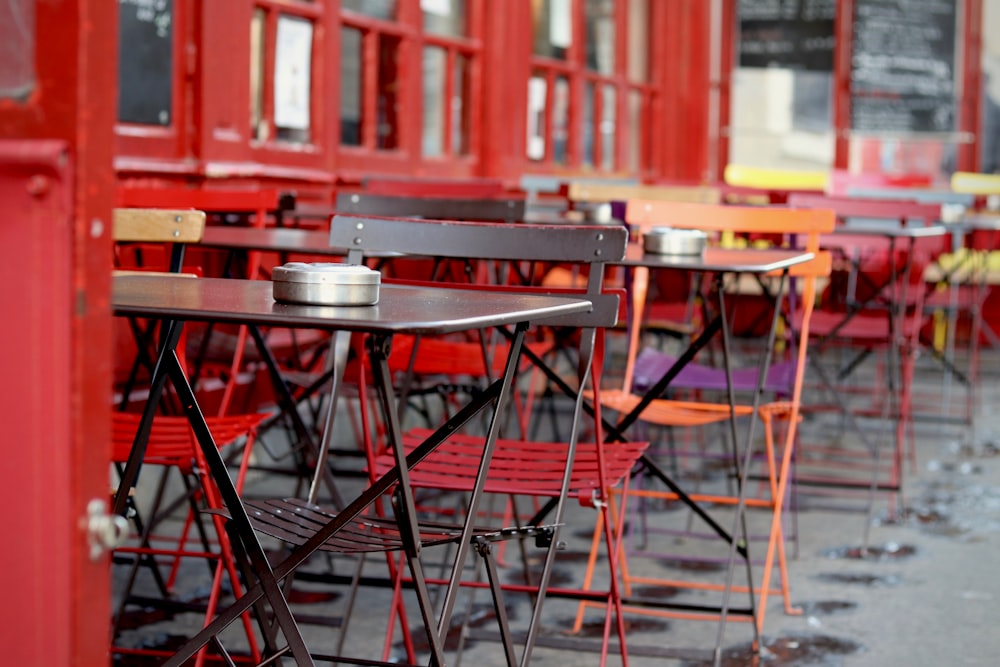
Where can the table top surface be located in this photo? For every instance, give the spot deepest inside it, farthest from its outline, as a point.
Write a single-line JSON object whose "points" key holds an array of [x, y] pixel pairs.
{"points": [[737, 260], [401, 308]]}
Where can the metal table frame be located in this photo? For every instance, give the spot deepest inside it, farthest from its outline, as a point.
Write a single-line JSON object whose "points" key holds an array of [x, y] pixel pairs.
{"points": [[400, 309]]}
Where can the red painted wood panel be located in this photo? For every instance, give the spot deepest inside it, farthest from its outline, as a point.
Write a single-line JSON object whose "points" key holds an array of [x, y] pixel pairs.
{"points": [[56, 181]]}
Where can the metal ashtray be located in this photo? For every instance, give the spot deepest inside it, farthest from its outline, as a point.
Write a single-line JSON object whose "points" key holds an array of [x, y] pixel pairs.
{"points": [[670, 241], [326, 284]]}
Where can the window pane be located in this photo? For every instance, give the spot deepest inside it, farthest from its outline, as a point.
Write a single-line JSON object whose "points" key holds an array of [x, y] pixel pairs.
{"points": [[444, 17], [145, 69], [560, 120], [608, 110], [537, 89], [812, 101], [435, 62], [258, 128], [350, 87], [635, 130], [387, 112], [551, 28], [293, 78], [460, 108], [379, 9], [638, 40], [587, 135], [600, 22], [17, 49]]}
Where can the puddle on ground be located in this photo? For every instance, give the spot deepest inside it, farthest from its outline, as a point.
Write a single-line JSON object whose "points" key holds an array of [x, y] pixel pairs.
{"points": [[654, 592], [481, 615], [887, 551], [861, 579], [595, 629], [692, 564], [827, 607], [558, 577], [300, 596], [136, 618], [792, 651], [165, 643], [960, 467], [948, 510]]}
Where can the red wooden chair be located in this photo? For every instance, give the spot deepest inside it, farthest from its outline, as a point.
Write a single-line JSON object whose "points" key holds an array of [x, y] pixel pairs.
{"points": [[522, 468]]}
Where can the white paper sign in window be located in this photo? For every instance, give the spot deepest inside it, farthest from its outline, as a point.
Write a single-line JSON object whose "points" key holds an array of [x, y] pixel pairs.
{"points": [[536, 118], [292, 75], [439, 7], [560, 25]]}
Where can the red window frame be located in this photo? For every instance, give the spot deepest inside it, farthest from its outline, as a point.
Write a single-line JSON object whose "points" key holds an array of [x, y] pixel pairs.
{"points": [[574, 68], [405, 157], [140, 147], [311, 154]]}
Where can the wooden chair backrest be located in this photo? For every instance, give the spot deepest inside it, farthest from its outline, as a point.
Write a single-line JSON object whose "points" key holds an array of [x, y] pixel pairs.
{"points": [[157, 225]]}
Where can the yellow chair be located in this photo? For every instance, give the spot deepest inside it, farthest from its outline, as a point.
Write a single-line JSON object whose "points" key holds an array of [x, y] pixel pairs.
{"points": [[774, 179], [972, 183]]}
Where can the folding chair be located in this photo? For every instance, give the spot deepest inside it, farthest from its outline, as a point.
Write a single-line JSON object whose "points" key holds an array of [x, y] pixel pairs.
{"points": [[672, 307], [797, 229], [172, 446], [545, 470]]}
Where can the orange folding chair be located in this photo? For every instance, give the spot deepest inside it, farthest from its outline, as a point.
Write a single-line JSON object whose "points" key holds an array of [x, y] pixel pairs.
{"points": [[800, 229]]}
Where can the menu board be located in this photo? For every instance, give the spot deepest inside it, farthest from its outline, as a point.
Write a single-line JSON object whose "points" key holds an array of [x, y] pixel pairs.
{"points": [[794, 34], [145, 61], [903, 66]]}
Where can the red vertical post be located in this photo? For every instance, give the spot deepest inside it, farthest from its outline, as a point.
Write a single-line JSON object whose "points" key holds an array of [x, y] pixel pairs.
{"points": [[842, 52], [56, 183], [727, 58], [970, 105]]}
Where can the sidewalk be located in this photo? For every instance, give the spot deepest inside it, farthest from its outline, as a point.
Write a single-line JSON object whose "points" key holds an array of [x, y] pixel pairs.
{"points": [[925, 593]]}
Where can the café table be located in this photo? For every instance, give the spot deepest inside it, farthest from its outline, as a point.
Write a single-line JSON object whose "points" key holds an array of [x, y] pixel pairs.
{"points": [[892, 301], [417, 310], [719, 262]]}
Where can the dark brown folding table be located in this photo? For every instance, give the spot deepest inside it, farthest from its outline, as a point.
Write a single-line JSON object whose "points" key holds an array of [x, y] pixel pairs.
{"points": [[419, 310]]}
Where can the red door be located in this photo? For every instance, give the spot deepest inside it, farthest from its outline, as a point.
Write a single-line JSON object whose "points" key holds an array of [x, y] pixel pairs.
{"points": [[57, 104]]}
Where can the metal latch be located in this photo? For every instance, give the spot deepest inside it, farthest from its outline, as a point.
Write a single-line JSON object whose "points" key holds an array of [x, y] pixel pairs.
{"points": [[104, 531]]}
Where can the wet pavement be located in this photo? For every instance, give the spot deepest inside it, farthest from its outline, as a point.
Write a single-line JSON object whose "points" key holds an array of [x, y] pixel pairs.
{"points": [[912, 581]]}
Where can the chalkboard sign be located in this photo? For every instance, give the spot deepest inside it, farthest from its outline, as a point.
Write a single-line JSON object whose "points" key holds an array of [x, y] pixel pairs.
{"points": [[145, 61], [794, 34], [903, 66]]}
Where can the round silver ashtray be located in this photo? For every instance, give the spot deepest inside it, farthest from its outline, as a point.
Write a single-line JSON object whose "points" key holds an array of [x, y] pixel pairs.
{"points": [[670, 241], [326, 284]]}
